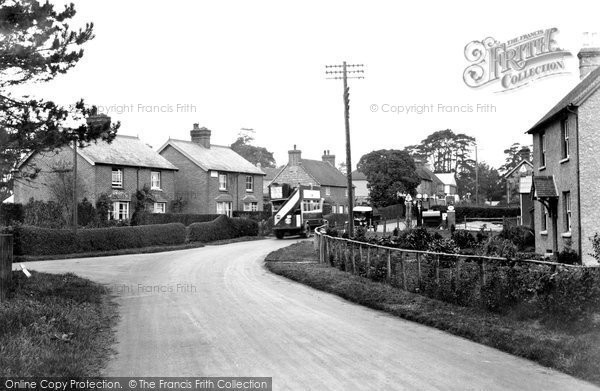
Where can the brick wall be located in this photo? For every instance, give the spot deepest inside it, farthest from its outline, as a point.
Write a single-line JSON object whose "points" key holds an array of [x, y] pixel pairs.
{"points": [[565, 178], [589, 166]]}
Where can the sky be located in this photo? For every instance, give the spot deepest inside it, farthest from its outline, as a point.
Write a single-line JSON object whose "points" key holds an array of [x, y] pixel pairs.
{"points": [[158, 67]]}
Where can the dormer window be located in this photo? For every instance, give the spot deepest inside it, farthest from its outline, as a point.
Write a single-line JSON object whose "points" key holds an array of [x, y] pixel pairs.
{"points": [[117, 178]]}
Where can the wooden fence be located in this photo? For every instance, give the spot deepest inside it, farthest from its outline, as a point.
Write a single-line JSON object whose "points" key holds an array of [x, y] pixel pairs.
{"points": [[413, 270], [6, 258]]}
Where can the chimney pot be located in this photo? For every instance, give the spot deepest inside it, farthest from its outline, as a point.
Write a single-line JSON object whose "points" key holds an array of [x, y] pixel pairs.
{"points": [[589, 55], [200, 136], [295, 156], [328, 157]]}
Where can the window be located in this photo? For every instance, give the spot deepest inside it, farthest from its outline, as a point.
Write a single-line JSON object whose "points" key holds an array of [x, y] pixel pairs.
{"points": [[222, 181], [160, 207], [251, 207], [311, 205], [567, 208], [224, 208], [117, 177], [249, 183], [564, 132], [341, 209], [327, 190], [544, 225], [542, 149], [120, 210], [333, 209], [155, 179]]}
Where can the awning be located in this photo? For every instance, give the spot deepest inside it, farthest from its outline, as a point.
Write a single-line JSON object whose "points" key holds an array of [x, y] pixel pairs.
{"points": [[543, 187], [224, 197], [249, 198], [119, 195]]}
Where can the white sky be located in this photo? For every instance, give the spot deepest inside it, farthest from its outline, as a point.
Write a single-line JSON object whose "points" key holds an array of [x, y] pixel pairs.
{"points": [[260, 65]]}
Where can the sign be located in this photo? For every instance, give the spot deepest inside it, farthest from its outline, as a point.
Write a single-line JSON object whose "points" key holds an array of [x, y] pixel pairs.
{"points": [[315, 194], [25, 271], [276, 192]]}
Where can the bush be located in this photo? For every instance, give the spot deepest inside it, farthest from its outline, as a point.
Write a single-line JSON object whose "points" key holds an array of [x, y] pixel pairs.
{"points": [[222, 228], [256, 216], [336, 219], [11, 214], [488, 212], [183, 218], [464, 239], [414, 239], [521, 236], [44, 241], [496, 246], [43, 214], [86, 214], [568, 256]]}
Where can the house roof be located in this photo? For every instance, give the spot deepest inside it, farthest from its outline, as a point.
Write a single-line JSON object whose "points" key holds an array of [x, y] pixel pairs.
{"points": [[521, 163], [271, 172], [122, 151], [525, 184], [125, 151], [358, 176], [324, 173], [217, 157], [543, 187], [447, 178], [575, 97]]}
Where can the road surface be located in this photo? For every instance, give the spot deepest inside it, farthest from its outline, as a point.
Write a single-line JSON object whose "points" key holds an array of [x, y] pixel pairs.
{"points": [[216, 311]]}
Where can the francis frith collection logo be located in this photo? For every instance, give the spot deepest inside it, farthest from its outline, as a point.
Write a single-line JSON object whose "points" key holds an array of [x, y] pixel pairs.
{"points": [[516, 62]]}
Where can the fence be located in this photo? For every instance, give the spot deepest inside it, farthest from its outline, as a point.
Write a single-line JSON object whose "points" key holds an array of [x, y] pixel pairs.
{"points": [[6, 258], [418, 271]]}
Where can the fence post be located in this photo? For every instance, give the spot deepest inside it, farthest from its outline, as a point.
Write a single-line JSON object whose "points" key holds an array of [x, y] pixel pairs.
{"points": [[6, 259], [345, 255], [368, 261], [360, 255], [437, 270], [389, 266], [482, 272], [403, 270], [353, 260], [419, 271]]}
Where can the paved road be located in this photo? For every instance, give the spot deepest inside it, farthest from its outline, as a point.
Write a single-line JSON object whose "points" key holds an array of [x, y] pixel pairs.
{"points": [[241, 320]]}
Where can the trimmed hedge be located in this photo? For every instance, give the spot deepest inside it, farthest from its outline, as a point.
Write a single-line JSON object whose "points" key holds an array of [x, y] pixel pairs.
{"points": [[256, 216], [486, 212], [183, 218], [11, 214], [222, 228], [336, 219], [45, 241]]}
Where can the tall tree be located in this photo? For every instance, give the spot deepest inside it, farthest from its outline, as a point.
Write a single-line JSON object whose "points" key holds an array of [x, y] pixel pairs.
{"points": [[490, 183], [446, 150], [389, 172], [513, 155], [254, 154], [37, 44]]}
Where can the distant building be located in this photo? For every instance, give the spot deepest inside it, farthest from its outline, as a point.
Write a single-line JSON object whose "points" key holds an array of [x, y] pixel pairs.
{"points": [[512, 178], [117, 169], [566, 169], [213, 179], [448, 182], [321, 173], [361, 191], [525, 201]]}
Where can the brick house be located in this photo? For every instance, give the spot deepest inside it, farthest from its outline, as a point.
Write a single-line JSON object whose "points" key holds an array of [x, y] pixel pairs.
{"points": [[361, 190], [213, 179], [321, 173], [566, 169], [117, 169]]}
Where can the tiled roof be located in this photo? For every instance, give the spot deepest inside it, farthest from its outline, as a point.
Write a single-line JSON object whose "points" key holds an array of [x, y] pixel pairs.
{"points": [[522, 162], [574, 98], [324, 173], [543, 187], [216, 157], [426, 174], [270, 173], [447, 178], [125, 151], [358, 176]]}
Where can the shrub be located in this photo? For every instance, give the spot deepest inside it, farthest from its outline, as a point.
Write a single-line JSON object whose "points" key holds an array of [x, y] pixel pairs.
{"points": [[464, 239], [183, 218], [222, 228], [415, 239], [44, 241], [463, 212], [496, 246], [43, 214], [336, 219], [102, 209], [256, 216], [596, 246], [86, 213], [568, 256], [11, 214], [521, 236]]}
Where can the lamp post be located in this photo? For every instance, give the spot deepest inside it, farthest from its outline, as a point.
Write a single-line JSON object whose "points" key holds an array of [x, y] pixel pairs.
{"points": [[408, 202], [419, 203]]}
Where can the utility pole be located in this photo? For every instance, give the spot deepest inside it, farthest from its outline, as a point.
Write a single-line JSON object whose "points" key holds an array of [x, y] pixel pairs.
{"points": [[356, 72], [476, 177], [74, 178]]}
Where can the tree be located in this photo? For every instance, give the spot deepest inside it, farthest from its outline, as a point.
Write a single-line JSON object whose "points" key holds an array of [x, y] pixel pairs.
{"points": [[490, 186], [144, 200], [389, 172], [514, 155], [61, 187], [36, 45], [448, 152], [243, 146], [342, 168]]}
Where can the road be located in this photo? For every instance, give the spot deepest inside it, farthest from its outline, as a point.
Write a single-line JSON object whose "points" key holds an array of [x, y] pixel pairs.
{"points": [[216, 311]]}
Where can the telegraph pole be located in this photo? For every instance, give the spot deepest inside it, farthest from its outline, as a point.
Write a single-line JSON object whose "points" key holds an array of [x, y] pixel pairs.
{"points": [[356, 72], [74, 179], [476, 177]]}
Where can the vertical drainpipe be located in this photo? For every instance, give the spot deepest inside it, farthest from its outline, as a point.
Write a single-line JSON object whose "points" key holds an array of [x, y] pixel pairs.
{"points": [[579, 238]]}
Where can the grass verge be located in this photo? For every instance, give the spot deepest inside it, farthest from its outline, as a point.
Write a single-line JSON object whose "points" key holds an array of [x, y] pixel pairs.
{"points": [[55, 325], [575, 354], [126, 251]]}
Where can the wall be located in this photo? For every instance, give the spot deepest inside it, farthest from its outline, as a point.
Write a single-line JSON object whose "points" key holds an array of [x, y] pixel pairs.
{"points": [[589, 163], [565, 178]]}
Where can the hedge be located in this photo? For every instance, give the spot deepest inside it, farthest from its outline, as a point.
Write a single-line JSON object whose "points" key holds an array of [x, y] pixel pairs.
{"points": [[11, 214], [183, 218], [222, 228], [256, 216], [336, 219], [487, 212], [45, 241]]}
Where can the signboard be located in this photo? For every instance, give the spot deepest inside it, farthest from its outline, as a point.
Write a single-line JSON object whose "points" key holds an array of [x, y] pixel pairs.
{"points": [[276, 192], [214, 174], [311, 194]]}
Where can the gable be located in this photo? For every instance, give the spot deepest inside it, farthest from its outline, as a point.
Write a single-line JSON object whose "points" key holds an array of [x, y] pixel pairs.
{"points": [[294, 175]]}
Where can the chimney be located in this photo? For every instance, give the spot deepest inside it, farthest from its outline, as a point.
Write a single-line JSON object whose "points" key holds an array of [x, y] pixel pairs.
{"points": [[525, 154], [295, 156], [328, 158], [589, 55], [200, 136]]}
